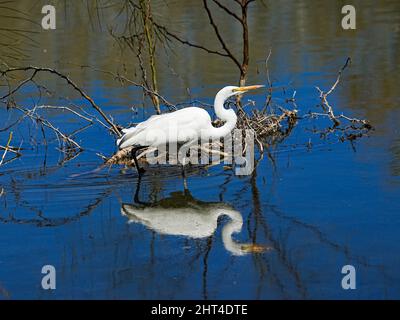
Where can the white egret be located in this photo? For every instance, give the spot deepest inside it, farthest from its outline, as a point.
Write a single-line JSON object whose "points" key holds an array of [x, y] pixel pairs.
{"points": [[182, 215], [182, 126]]}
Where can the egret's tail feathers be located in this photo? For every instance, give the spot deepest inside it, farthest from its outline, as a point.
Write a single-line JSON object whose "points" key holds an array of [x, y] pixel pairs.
{"points": [[126, 131], [118, 141]]}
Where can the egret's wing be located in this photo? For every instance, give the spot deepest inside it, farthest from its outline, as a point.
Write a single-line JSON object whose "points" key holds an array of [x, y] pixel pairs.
{"points": [[132, 131], [184, 120], [141, 124], [147, 122]]}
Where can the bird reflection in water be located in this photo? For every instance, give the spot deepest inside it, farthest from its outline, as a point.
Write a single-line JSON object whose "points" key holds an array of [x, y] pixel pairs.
{"points": [[181, 214]]}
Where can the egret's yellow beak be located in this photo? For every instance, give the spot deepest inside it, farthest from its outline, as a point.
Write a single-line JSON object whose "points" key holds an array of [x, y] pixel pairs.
{"points": [[244, 89], [255, 248]]}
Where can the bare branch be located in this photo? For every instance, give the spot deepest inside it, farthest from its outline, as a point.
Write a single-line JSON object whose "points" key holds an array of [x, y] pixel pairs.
{"points": [[22, 83], [267, 69], [113, 127], [7, 146], [228, 11], [221, 40], [34, 116], [11, 149], [67, 109], [348, 61], [166, 32], [323, 96]]}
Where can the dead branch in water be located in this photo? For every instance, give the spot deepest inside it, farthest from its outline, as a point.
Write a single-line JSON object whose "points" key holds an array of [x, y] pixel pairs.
{"points": [[70, 144], [357, 127], [113, 128], [120, 157], [225, 51], [324, 95], [67, 144], [270, 124], [6, 148]]}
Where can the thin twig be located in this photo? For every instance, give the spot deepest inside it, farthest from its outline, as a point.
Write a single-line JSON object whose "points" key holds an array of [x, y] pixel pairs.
{"points": [[34, 116], [166, 32], [227, 10], [7, 146], [323, 96], [66, 108]]}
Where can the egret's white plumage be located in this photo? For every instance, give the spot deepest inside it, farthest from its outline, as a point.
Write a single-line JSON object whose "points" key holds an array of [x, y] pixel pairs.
{"points": [[185, 125], [195, 220]]}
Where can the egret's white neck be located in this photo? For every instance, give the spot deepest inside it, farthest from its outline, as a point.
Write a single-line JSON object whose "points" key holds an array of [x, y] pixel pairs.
{"points": [[233, 226], [227, 115]]}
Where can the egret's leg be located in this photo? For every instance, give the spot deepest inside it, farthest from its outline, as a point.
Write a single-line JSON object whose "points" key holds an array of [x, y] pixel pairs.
{"points": [[185, 147], [136, 197], [185, 187], [133, 154]]}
